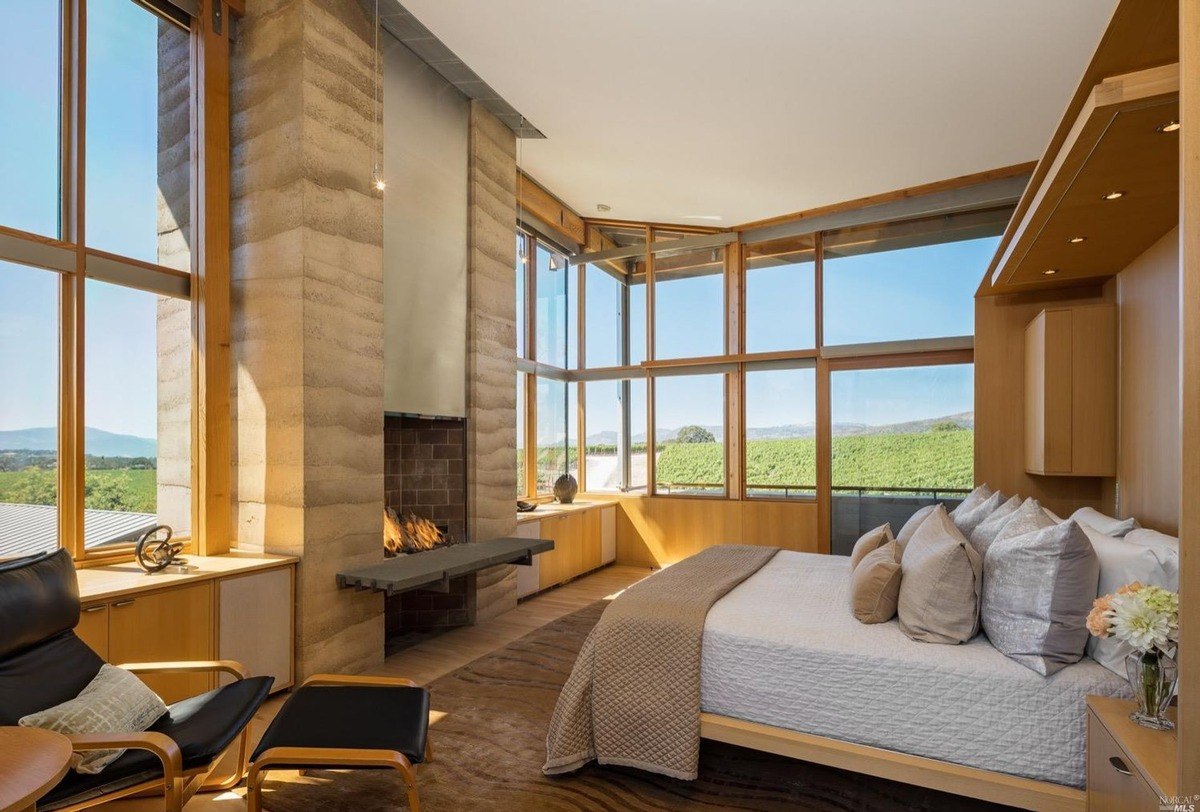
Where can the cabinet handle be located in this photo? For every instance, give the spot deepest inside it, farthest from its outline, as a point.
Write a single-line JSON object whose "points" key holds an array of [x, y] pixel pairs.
{"points": [[124, 603], [87, 610], [1119, 766]]}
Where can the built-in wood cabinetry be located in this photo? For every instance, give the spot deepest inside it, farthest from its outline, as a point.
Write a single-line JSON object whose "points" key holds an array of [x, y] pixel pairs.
{"points": [[230, 608], [584, 539], [1071, 392], [1129, 768]]}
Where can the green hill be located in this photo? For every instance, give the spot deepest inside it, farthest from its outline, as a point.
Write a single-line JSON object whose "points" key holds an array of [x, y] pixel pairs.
{"points": [[931, 459]]}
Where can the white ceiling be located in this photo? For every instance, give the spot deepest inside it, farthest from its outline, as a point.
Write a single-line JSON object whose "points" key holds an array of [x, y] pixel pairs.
{"points": [[677, 110]]}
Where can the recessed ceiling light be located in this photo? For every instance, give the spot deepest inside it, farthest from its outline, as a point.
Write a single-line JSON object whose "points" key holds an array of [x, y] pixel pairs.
{"points": [[1050, 271], [1113, 195], [1169, 127], [1076, 240], [603, 207]]}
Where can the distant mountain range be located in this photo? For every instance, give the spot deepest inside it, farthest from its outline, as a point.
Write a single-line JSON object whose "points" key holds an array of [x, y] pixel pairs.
{"points": [[965, 420], [97, 442]]}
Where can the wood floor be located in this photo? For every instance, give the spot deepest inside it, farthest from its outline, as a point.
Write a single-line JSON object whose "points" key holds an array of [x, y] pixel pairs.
{"points": [[433, 658]]}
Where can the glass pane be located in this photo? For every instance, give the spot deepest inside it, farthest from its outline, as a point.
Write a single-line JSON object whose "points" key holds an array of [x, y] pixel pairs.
{"points": [[602, 303], [28, 411], [521, 434], [30, 37], [689, 434], [551, 432], [902, 438], [138, 410], [604, 429], [138, 134], [907, 280], [573, 430], [781, 451], [639, 421], [689, 304], [781, 296], [522, 265], [551, 307]]}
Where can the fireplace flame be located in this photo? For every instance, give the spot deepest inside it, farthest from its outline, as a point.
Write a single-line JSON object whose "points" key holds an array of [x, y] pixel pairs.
{"points": [[410, 534]]}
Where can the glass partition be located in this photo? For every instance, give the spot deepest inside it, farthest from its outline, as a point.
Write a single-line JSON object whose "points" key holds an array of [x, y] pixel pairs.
{"points": [[689, 434], [689, 304], [781, 308], [781, 437]]}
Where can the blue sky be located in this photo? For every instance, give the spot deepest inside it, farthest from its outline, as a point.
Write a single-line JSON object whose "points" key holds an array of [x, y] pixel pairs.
{"points": [[121, 211]]}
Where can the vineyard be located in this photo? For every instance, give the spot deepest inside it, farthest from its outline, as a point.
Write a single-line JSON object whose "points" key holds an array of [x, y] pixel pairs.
{"points": [[941, 459], [128, 489]]}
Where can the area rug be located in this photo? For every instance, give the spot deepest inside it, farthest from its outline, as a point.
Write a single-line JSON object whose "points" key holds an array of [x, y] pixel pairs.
{"points": [[490, 745]]}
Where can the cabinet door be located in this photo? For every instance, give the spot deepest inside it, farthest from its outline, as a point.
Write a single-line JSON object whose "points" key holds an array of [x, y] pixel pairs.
{"points": [[550, 563], [93, 628], [176, 624], [608, 535], [572, 544], [590, 543], [1113, 783], [255, 624], [529, 577]]}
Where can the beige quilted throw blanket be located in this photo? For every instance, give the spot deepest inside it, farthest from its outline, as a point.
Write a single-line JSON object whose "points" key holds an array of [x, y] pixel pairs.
{"points": [[633, 698]]}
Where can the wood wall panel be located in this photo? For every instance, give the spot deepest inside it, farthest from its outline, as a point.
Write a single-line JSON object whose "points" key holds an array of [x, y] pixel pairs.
{"points": [[1000, 323], [1148, 467], [654, 531]]}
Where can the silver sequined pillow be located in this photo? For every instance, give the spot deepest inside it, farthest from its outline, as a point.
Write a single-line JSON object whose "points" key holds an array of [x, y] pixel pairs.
{"points": [[986, 531], [115, 701], [1038, 588]]}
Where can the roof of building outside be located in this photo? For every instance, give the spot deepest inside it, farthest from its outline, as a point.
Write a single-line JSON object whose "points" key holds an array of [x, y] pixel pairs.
{"points": [[29, 529]]}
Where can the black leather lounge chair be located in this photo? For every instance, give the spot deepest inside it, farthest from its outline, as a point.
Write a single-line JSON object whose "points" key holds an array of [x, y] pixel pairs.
{"points": [[43, 663]]}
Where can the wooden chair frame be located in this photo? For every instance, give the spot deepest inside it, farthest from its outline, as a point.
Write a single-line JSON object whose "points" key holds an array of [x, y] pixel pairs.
{"points": [[176, 785], [287, 757]]}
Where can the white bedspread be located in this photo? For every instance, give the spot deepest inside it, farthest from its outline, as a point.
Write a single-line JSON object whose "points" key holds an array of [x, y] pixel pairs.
{"points": [[783, 649]]}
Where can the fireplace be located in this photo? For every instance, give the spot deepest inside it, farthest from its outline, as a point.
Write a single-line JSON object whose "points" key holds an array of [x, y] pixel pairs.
{"points": [[425, 494]]}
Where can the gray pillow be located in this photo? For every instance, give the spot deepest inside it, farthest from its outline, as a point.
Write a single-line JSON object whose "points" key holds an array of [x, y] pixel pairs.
{"points": [[910, 527], [940, 583], [967, 521], [974, 499], [987, 530], [1105, 524], [1025, 519], [115, 701], [1037, 591]]}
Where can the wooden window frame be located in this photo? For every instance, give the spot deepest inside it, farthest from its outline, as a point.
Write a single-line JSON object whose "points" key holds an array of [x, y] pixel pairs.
{"points": [[206, 285]]}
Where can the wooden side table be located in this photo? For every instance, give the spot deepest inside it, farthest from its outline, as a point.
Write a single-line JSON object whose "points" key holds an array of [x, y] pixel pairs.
{"points": [[1129, 767], [32, 762]]}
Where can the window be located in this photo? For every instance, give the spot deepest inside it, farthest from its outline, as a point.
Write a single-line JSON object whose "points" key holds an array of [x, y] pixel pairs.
{"points": [[689, 434], [138, 134], [29, 411], [639, 472], [552, 443], [781, 296], [604, 290], [781, 436], [101, 335], [902, 438], [904, 281], [551, 327], [522, 302], [689, 304], [29, 109], [616, 446], [637, 318], [522, 486]]}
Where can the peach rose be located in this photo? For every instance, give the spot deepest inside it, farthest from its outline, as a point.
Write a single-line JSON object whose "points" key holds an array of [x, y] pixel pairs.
{"points": [[1097, 619]]}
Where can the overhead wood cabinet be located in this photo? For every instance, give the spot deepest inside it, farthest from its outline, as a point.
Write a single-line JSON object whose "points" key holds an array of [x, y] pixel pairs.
{"points": [[1071, 392]]}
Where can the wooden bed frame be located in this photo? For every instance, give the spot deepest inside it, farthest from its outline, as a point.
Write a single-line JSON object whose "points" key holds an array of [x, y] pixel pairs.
{"points": [[925, 772]]}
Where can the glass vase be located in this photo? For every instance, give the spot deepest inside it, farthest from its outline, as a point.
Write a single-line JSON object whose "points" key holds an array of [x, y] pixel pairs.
{"points": [[1153, 676]]}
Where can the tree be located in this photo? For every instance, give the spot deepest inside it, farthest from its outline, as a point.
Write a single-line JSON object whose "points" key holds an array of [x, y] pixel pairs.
{"points": [[34, 487], [694, 434], [945, 425]]}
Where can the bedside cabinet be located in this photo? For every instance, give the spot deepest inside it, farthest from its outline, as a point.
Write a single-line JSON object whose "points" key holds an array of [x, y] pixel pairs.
{"points": [[1129, 767]]}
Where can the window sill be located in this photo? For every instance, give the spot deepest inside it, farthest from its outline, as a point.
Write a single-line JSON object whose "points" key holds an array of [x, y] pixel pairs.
{"points": [[101, 583]]}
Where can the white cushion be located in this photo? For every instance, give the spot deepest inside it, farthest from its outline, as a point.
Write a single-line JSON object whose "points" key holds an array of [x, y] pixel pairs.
{"points": [[1038, 588], [115, 701], [1142, 555], [1105, 524]]}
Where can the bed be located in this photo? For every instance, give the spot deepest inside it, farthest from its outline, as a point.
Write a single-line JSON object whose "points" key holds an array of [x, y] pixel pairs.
{"points": [[785, 667]]}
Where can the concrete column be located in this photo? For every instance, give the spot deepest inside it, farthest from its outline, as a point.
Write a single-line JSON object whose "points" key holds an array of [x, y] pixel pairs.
{"points": [[307, 288], [491, 344]]}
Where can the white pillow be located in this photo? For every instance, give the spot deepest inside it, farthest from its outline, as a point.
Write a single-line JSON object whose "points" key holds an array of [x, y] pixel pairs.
{"points": [[1105, 524], [1143, 555], [115, 701], [974, 499]]}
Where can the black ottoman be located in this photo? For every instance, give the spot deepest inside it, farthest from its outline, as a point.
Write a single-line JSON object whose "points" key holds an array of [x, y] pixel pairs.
{"points": [[348, 723]]}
